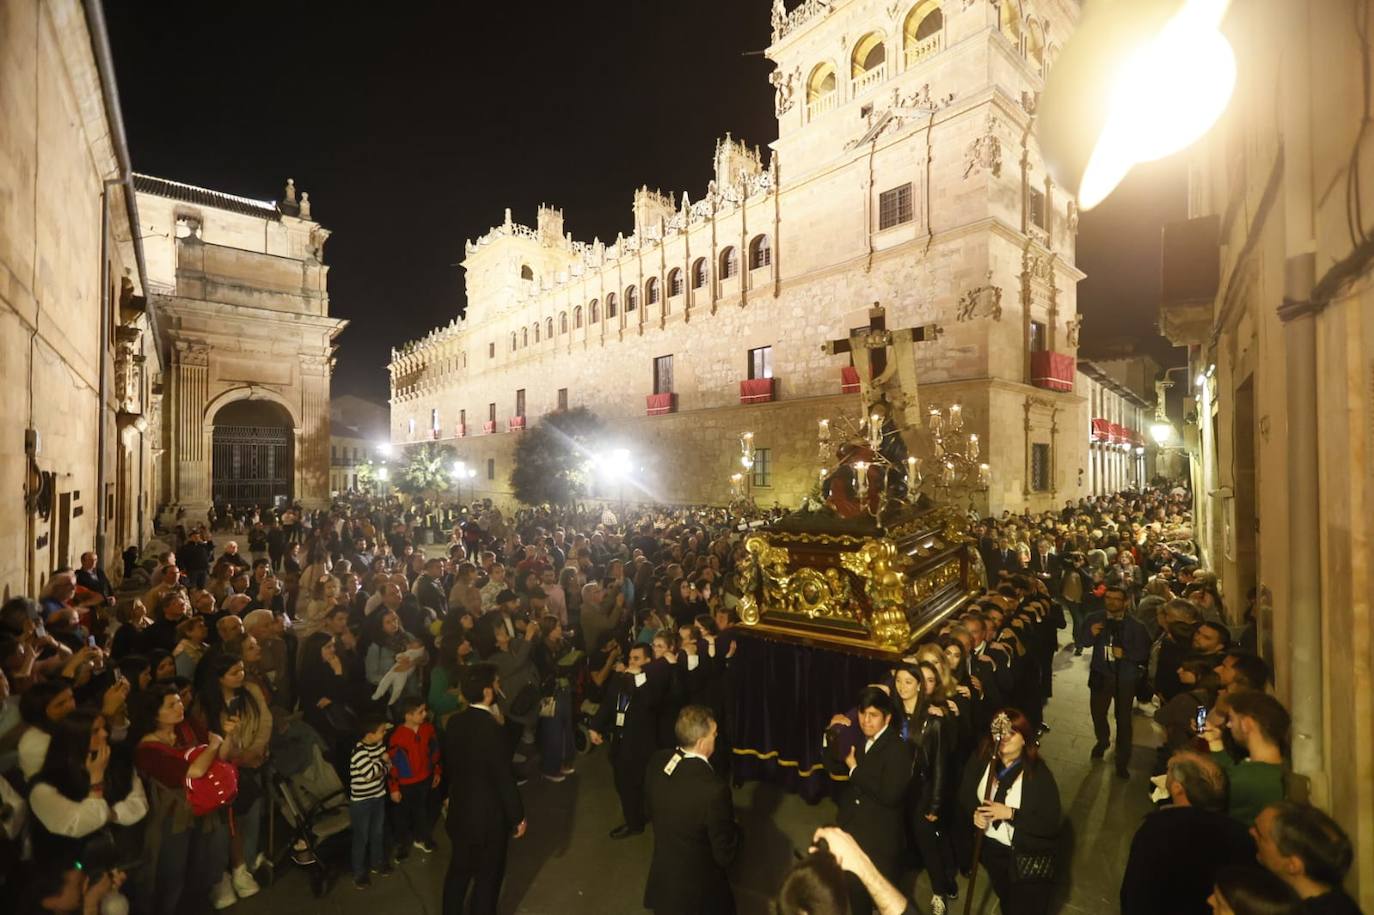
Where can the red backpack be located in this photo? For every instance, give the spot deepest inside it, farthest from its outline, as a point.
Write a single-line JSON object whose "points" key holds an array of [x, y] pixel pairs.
{"points": [[213, 790]]}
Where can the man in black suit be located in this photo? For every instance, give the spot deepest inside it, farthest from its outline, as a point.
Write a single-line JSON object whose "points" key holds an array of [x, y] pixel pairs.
{"points": [[1044, 564], [484, 807], [628, 715], [429, 590], [871, 807], [1178, 849], [695, 836]]}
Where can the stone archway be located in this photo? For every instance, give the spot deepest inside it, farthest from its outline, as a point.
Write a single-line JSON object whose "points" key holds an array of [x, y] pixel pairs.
{"points": [[253, 453]]}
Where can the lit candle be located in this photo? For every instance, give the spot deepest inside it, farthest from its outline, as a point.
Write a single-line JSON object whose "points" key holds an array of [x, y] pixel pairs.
{"points": [[984, 475], [823, 430], [861, 478], [972, 452], [956, 417], [935, 421], [949, 472]]}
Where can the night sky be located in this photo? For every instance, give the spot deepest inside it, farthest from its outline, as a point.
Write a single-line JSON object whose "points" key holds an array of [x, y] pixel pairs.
{"points": [[414, 129]]}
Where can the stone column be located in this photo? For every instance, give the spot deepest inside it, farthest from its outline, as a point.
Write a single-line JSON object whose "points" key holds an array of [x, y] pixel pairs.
{"points": [[190, 449], [312, 438]]}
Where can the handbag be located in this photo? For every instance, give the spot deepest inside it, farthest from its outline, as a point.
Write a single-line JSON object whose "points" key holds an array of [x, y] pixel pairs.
{"points": [[1032, 868], [524, 701], [213, 790]]}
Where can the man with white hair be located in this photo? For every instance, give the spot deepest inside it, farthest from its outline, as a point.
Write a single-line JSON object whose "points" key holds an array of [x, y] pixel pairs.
{"points": [[261, 624]]}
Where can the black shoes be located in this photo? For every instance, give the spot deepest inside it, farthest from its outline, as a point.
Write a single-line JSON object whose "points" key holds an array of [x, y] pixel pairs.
{"points": [[624, 832], [1099, 750], [1123, 772]]}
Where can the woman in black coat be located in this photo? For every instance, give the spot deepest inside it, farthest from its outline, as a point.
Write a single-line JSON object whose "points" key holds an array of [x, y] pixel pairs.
{"points": [[1009, 794], [922, 719]]}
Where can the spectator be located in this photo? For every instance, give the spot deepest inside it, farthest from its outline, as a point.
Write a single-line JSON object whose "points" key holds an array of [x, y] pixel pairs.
{"points": [[368, 768], [414, 772], [1310, 852], [1258, 723], [1251, 891]]}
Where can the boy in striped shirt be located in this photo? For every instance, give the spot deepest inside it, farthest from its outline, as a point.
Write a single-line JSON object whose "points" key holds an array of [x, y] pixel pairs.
{"points": [[367, 774]]}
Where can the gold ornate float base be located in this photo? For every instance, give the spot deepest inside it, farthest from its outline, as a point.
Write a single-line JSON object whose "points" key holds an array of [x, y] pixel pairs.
{"points": [[856, 587]]}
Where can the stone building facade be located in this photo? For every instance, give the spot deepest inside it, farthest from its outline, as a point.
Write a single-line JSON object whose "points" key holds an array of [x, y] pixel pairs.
{"points": [[358, 435], [905, 172], [1269, 285], [1121, 454], [79, 349], [240, 290]]}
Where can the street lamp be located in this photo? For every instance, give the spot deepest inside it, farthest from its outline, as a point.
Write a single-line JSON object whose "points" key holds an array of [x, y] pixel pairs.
{"points": [[1138, 80], [1161, 431], [385, 449]]}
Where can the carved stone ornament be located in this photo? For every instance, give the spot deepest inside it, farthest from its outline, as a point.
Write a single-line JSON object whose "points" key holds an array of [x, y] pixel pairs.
{"points": [[981, 302], [1073, 217], [1072, 328], [785, 84], [985, 152]]}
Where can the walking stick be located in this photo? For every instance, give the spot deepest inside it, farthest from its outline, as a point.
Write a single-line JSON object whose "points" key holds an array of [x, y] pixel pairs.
{"points": [[1001, 727]]}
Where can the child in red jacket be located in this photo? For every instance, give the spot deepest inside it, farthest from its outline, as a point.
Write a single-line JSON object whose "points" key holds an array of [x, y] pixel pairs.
{"points": [[415, 770]]}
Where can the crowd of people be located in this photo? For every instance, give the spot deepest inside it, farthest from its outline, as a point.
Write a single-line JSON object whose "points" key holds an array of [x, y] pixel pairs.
{"points": [[437, 658]]}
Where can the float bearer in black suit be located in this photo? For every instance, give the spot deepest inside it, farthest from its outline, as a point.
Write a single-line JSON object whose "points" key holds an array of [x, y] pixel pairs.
{"points": [[484, 807], [871, 805], [695, 836], [628, 716]]}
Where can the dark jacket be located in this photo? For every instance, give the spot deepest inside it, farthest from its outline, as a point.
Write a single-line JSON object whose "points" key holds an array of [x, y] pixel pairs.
{"points": [[484, 803], [927, 739], [695, 837], [1126, 633], [872, 803], [1039, 817], [1174, 860], [636, 740], [430, 595]]}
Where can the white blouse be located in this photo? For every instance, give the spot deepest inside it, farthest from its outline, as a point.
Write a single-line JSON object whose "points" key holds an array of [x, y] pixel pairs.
{"points": [[1001, 830], [65, 817]]}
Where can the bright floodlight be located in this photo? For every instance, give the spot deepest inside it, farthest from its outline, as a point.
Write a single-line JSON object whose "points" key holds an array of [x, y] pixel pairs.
{"points": [[1139, 80], [384, 449], [618, 462], [383, 474], [1161, 432]]}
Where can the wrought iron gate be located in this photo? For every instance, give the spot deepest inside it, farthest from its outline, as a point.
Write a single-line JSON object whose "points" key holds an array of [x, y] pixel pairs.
{"points": [[252, 464]]}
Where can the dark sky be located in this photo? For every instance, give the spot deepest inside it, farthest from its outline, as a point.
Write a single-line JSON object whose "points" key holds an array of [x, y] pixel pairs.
{"points": [[412, 125]]}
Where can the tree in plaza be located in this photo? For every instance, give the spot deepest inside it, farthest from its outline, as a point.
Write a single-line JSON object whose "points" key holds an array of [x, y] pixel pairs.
{"points": [[553, 460], [425, 470]]}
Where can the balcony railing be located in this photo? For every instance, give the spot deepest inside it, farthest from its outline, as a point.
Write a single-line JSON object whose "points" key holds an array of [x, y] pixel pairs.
{"points": [[867, 80], [819, 106], [515, 424], [489, 427], [1052, 371], [658, 404], [922, 49], [756, 390]]}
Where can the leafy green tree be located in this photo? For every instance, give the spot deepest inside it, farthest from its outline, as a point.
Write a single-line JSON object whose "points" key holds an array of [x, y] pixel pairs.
{"points": [[425, 470], [553, 459]]}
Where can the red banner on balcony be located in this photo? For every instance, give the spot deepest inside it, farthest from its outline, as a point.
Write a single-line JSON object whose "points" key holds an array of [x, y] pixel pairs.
{"points": [[658, 404], [489, 426], [1102, 430], [1118, 434], [756, 390], [1052, 370], [516, 423], [849, 380]]}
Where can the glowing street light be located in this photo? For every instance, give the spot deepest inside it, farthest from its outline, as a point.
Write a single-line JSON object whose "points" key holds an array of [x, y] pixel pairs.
{"points": [[385, 449], [1161, 431], [1137, 81]]}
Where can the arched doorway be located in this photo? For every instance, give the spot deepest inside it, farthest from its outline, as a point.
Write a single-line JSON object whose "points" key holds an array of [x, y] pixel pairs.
{"points": [[252, 453]]}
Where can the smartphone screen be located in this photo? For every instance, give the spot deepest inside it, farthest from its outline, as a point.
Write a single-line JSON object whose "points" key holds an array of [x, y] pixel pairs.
{"points": [[1201, 718]]}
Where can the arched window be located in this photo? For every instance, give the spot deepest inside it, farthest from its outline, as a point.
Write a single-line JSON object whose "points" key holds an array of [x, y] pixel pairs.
{"points": [[866, 64], [548, 328], [594, 312], [631, 298], [700, 273], [729, 263], [536, 331], [760, 253], [820, 91], [513, 341], [577, 317], [524, 336], [1010, 21], [651, 291], [674, 282], [921, 31], [1035, 44], [611, 309], [525, 272], [562, 322]]}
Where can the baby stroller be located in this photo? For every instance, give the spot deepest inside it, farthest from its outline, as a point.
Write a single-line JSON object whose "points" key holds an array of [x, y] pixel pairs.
{"points": [[314, 804]]}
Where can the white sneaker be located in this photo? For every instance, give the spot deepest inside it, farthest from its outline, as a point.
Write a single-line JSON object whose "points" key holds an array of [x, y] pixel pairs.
{"points": [[937, 905], [244, 884], [223, 895]]}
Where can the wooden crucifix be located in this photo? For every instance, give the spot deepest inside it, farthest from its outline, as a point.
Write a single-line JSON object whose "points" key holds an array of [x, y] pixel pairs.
{"points": [[882, 379]]}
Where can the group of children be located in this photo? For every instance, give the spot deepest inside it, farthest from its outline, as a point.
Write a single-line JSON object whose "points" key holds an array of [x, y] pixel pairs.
{"points": [[394, 775]]}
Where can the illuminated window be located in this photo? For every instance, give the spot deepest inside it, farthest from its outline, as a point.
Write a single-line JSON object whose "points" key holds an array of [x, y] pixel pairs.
{"points": [[729, 263], [760, 253]]}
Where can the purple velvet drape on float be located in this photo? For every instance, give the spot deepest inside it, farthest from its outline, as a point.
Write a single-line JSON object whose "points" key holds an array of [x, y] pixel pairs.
{"points": [[784, 696]]}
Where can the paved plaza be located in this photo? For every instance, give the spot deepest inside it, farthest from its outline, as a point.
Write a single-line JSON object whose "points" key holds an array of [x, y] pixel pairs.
{"points": [[567, 865]]}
